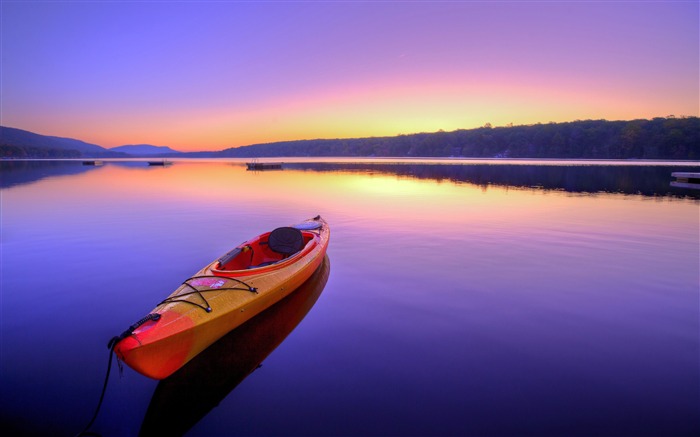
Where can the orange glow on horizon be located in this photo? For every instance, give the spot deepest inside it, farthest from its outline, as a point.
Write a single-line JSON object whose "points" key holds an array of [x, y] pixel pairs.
{"points": [[379, 109], [429, 66]]}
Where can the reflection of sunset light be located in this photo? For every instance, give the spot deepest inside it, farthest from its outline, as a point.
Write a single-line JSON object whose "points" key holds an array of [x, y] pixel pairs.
{"points": [[394, 203], [388, 185]]}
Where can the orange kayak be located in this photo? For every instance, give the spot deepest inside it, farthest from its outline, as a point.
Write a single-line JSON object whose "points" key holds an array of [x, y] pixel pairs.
{"points": [[185, 397], [221, 296]]}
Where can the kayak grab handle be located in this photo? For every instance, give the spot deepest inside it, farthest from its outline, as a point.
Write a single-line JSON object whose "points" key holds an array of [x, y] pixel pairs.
{"points": [[131, 329], [229, 256]]}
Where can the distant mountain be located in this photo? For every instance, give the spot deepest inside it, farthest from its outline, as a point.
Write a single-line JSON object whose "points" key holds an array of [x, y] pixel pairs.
{"points": [[28, 140], [18, 143], [144, 150]]}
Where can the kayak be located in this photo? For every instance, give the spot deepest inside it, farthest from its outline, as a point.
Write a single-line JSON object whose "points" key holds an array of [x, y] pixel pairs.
{"points": [[185, 397], [221, 296]]}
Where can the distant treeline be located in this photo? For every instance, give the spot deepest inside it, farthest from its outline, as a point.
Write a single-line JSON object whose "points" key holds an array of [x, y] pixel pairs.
{"points": [[19, 152], [659, 138]]}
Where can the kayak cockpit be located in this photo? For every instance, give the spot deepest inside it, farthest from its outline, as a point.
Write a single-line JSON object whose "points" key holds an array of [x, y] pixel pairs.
{"points": [[267, 251]]}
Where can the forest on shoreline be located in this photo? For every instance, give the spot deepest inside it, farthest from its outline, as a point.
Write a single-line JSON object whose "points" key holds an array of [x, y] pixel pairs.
{"points": [[658, 138]]}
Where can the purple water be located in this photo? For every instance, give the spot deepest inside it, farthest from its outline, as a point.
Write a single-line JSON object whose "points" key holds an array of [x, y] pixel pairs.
{"points": [[477, 298]]}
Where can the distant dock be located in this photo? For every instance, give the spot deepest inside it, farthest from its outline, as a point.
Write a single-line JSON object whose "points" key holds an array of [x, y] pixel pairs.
{"points": [[161, 163], [93, 162], [686, 180], [264, 165]]}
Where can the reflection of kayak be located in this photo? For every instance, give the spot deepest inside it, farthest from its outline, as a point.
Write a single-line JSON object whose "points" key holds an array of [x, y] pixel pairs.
{"points": [[221, 296], [185, 397]]}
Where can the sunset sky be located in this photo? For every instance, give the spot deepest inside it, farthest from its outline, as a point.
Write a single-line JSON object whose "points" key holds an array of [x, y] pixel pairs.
{"points": [[219, 74]]}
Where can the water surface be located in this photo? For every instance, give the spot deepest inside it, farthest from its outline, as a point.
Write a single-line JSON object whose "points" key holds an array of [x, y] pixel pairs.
{"points": [[468, 298]]}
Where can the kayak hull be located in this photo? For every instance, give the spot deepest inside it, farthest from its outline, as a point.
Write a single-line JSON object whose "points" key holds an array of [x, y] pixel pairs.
{"points": [[217, 300]]}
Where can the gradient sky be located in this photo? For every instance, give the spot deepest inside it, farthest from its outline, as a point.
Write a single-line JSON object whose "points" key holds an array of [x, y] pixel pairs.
{"points": [[219, 74]]}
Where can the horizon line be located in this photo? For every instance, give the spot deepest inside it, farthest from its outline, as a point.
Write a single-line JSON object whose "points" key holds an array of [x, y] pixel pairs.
{"points": [[486, 125]]}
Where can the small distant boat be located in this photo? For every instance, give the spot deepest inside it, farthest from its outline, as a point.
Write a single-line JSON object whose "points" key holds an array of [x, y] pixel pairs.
{"points": [[222, 296], [163, 162], [255, 165], [686, 180], [93, 162]]}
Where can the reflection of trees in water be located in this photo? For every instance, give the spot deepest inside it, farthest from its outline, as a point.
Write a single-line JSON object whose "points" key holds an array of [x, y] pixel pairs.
{"points": [[647, 180], [638, 179], [17, 172]]}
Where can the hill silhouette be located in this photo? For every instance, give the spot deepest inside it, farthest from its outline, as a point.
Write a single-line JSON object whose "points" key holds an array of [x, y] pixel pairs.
{"points": [[658, 138], [19, 143]]}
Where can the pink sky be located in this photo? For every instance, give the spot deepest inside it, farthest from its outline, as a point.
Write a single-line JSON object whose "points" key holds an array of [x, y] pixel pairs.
{"points": [[213, 75]]}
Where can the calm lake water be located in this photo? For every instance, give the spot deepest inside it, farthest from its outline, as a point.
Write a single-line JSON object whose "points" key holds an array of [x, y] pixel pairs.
{"points": [[489, 298]]}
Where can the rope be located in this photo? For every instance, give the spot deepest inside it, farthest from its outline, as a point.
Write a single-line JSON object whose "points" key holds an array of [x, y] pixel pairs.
{"points": [[85, 432], [155, 316], [112, 343], [206, 307]]}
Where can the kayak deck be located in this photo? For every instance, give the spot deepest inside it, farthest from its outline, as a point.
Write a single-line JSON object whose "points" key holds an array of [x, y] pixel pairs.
{"points": [[222, 296]]}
